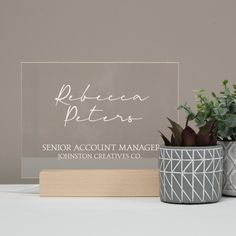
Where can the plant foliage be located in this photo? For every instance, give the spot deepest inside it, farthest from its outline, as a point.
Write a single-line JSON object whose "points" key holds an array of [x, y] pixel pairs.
{"points": [[220, 109], [206, 135]]}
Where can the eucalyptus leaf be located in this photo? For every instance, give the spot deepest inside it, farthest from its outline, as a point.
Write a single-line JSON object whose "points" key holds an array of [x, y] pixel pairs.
{"points": [[230, 120]]}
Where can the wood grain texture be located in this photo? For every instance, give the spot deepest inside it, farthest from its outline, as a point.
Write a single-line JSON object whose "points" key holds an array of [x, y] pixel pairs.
{"points": [[100, 182]]}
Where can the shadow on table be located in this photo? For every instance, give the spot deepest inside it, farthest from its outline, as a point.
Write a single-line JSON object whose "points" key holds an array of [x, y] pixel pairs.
{"points": [[31, 189]]}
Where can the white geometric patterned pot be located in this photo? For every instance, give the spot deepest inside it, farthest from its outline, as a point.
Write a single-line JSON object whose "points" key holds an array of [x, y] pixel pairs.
{"points": [[191, 174], [229, 168]]}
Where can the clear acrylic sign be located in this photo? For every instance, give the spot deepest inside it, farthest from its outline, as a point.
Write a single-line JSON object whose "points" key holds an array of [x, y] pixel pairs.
{"points": [[94, 115]]}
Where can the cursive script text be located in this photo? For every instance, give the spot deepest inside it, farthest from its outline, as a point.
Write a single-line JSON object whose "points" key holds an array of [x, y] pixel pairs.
{"points": [[65, 97]]}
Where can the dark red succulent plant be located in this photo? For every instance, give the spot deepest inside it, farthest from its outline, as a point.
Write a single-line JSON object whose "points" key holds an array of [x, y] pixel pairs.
{"points": [[206, 136]]}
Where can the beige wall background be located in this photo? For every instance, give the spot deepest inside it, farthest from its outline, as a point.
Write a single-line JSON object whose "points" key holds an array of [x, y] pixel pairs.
{"points": [[201, 35]]}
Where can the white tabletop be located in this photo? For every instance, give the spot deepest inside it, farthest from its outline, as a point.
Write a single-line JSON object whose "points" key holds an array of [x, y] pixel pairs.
{"points": [[23, 213]]}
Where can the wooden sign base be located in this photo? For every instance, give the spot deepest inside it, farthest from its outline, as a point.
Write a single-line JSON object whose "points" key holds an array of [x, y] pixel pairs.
{"points": [[100, 183]]}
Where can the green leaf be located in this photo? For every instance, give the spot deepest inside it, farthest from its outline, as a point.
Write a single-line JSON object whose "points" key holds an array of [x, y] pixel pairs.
{"points": [[190, 114], [198, 91], [230, 120], [232, 108], [200, 123], [225, 82], [213, 95], [225, 133], [222, 111]]}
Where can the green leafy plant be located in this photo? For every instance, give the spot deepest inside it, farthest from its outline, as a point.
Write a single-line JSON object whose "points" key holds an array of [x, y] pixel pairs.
{"points": [[206, 135], [220, 109]]}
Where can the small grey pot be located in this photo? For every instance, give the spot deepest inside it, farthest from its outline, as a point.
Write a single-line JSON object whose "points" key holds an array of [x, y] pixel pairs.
{"points": [[191, 175], [229, 168]]}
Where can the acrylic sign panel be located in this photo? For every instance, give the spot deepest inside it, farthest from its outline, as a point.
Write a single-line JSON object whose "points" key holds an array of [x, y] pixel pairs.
{"points": [[95, 115]]}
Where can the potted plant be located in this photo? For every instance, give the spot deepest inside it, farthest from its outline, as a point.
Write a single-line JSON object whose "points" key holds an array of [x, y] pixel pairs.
{"points": [[191, 165], [226, 101], [222, 110]]}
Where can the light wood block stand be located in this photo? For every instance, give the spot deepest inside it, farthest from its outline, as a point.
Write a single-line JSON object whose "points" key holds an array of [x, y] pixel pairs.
{"points": [[100, 182]]}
